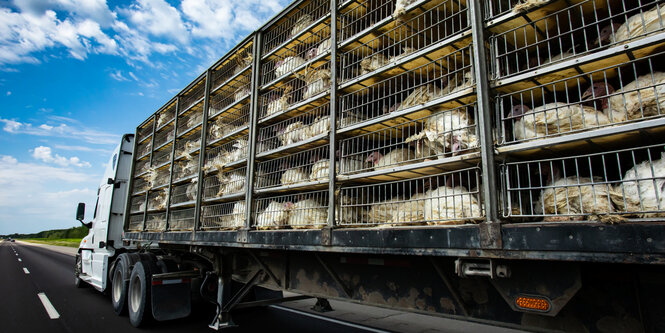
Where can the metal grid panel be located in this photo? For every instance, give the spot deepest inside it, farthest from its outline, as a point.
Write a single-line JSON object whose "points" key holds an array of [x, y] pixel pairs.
{"points": [[447, 132], [157, 199], [162, 156], [140, 185], [137, 204], [294, 23], [165, 135], [302, 167], [143, 148], [434, 200], [573, 31], [189, 120], [432, 26], [494, 8], [298, 211], [620, 93], [157, 177], [192, 96], [605, 187], [302, 127], [185, 168], [236, 64], [166, 116], [181, 220], [135, 223], [187, 145], [231, 93], [217, 158], [447, 75], [141, 167], [155, 222], [225, 183], [144, 131], [363, 16], [224, 216], [184, 193], [312, 82], [228, 123], [296, 55]]}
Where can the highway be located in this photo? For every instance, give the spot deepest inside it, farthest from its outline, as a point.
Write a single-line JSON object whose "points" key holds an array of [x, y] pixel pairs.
{"points": [[38, 295]]}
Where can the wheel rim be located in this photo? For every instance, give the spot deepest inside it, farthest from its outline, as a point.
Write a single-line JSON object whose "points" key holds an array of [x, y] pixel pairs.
{"points": [[117, 285], [135, 297]]}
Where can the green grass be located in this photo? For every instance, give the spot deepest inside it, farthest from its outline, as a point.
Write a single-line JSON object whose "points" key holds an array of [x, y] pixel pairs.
{"points": [[70, 242]]}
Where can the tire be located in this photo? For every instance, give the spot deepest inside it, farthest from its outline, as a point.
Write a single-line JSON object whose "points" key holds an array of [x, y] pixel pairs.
{"points": [[77, 271], [138, 297], [119, 286]]}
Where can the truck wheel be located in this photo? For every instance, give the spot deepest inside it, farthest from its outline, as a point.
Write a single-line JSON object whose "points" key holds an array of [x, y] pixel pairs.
{"points": [[139, 294], [77, 271], [119, 288]]}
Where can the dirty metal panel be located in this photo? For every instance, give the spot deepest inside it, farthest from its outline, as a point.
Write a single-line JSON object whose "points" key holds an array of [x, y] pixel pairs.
{"points": [[216, 236], [648, 237], [286, 237], [460, 237]]}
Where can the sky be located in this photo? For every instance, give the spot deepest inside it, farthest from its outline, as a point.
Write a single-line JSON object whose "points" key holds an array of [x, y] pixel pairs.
{"points": [[77, 74]]}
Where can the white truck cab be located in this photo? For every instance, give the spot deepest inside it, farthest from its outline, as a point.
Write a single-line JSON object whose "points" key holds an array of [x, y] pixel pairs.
{"points": [[105, 235]]}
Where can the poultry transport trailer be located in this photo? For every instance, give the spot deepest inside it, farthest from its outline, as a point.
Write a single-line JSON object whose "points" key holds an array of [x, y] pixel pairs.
{"points": [[498, 161]]}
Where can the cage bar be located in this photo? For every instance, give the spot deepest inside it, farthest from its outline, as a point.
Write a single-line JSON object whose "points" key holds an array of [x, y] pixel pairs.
{"points": [[309, 124], [224, 216], [181, 219], [224, 184], [307, 166], [294, 24], [135, 223], [225, 155], [297, 211], [184, 193], [165, 135]]}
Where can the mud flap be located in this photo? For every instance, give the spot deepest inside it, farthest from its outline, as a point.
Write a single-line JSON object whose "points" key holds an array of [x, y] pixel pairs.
{"points": [[171, 300]]}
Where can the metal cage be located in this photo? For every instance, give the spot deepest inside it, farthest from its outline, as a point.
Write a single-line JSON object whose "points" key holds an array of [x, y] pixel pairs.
{"points": [[137, 204], [297, 211], [192, 97], [165, 117], [303, 167], [226, 155], [224, 216], [295, 24], [164, 136], [187, 145], [155, 222], [236, 67], [135, 223], [145, 131], [157, 199], [225, 184], [181, 220], [228, 124], [184, 193], [309, 126], [189, 121]]}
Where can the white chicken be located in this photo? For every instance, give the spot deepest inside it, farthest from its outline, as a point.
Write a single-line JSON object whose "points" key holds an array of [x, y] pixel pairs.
{"points": [[293, 133], [526, 5], [185, 168], [278, 104], [230, 183], [383, 211], [321, 170], [320, 125], [163, 118], [644, 97], [287, 65], [301, 24], [448, 131], [238, 152], [294, 176], [194, 119], [450, 205], [641, 24], [189, 147], [394, 158], [241, 93], [349, 210], [410, 212], [275, 216], [192, 188], [238, 215], [458, 82], [420, 95], [643, 189], [323, 48], [158, 201], [400, 9], [308, 214], [554, 118], [243, 62], [317, 81], [216, 163], [372, 63]]}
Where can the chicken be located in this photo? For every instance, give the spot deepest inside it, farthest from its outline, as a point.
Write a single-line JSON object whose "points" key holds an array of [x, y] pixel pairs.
{"points": [[293, 133], [643, 189], [317, 81], [350, 118], [321, 170], [400, 9], [192, 188], [278, 104], [526, 5], [287, 65], [349, 210], [230, 183], [405, 52], [163, 118], [606, 35], [185, 168], [275, 216], [458, 82], [410, 211], [320, 125], [216, 163], [640, 24], [567, 197], [194, 119], [158, 200], [394, 158], [301, 24], [420, 95], [372, 63], [308, 214], [243, 61], [241, 93], [238, 152], [444, 133], [554, 118], [323, 48], [383, 211], [644, 97], [294, 176], [238, 215], [188, 148], [450, 205]]}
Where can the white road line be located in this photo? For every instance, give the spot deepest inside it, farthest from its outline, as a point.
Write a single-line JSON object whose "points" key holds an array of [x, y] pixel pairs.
{"points": [[52, 312], [26, 271]]}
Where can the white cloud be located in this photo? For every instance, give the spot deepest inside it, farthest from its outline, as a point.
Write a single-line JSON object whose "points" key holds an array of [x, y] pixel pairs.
{"points": [[45, 154], [9, 93], [158, 18], [225, 19], [117, 75], [62, 131], [105, 152]]}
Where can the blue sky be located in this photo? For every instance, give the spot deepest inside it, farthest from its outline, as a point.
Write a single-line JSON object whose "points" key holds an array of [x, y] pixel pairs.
{"points": [[77, 74]]}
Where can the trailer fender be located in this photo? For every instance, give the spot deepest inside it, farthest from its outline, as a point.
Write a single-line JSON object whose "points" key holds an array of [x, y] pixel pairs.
{"points": [[171, 294]]}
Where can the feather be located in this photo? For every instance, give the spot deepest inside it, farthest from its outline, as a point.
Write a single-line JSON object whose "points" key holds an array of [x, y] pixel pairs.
{"points": [[643, 189], [294, 176], [641, 24], [445, 132], [307, 214], [301, 24], [644, 97], [316, 81], [321, 125], [450, 205], [555, 118], [275, 216], [420, 95], [293, 133], [372, 63], [287, 65], [526, 5]]}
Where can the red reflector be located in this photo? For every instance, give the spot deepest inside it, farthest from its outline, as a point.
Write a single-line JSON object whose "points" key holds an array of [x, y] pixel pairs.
{"points": [[533, 303]]}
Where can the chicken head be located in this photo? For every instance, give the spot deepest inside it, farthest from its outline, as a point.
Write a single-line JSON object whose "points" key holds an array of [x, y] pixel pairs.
{"points": [[597, 90], [605, 35], [374, 157]]}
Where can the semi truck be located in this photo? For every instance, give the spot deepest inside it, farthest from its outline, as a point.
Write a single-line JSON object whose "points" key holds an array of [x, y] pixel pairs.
{"points": [[497, 161]]}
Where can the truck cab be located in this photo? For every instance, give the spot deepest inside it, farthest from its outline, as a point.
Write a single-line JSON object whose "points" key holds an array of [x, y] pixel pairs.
{"points": [[105, 235]]}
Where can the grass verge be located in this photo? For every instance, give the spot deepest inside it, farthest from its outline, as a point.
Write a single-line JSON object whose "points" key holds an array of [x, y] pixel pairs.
{"points": [[70, 242]]}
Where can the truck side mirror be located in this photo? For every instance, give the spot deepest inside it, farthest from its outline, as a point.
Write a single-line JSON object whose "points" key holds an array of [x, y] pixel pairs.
{"points": [[80, 212], [110, 181]]}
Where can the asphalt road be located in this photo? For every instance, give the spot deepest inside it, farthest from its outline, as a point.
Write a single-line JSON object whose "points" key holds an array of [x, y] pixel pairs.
{"points": [[28, 270]]}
